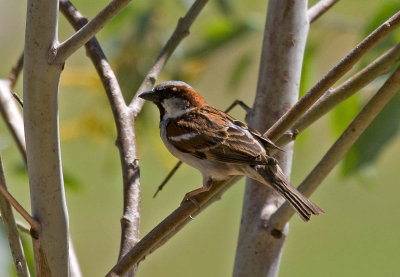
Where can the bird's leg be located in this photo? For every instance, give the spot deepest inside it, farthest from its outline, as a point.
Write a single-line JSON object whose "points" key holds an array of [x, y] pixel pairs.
{"points": [[190, 196]]}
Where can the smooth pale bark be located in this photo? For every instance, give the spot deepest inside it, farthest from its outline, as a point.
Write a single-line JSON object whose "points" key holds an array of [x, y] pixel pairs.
{"points": [[259, 249], [40, 83]]}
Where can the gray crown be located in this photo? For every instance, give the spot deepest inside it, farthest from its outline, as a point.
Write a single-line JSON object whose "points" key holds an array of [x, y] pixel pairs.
{"points": [[167, 84]]}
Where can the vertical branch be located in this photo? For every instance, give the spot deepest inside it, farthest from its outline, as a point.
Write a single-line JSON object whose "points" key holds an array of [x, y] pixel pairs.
{"points": [[40, 83], [10, 227], [124, 121], [258, 251]]}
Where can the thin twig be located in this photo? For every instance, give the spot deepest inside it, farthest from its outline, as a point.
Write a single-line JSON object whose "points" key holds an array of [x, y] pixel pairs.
{"points": [[15, 71], [287, 120], [177, 218], [60, 53], [124, 122], [19, 99], [11, 230], [32, 222], [165, 230], [21, 226], [12, 116], [165, 181], [337, 95], [181, 31], [319, 9], [341, 146], [124, 117]]}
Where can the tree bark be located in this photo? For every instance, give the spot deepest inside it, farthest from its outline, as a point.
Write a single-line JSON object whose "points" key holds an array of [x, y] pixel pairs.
{"points": [[40, 83], [259, 249]]}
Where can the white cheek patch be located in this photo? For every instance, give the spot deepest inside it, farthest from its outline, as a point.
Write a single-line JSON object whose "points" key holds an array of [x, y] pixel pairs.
{"points": [[175, 107], [187, 136]]}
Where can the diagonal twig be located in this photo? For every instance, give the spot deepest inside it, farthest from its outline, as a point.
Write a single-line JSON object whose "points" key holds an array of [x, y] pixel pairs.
{"points": [[15, 71], [10, 227], [32, 222], [181, 31], [12, 116], [124, 116], [162, 231], [140, 250], [287, 120], [59, 53], [319, 9], [337, 95], [341, 146]]}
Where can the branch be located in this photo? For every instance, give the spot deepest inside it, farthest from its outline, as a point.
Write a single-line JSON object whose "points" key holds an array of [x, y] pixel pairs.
{"points": [[124, 116], [337, 95], [32, 222], [287, 120], [15, 71], [60, 53], [284, 42], [319, 9], [12, 116], [169, 226], [10, 228], [181, 31], [41, 83], [124, 121], [341, 146]]}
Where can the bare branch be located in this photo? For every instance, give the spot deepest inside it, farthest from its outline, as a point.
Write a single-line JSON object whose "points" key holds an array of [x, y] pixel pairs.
{"points": [[284, 41], [10, 227], [172, 172], [60, 53], [41, 84], [168, 226], [337, 95], [15, 71], [319, 9], [341, 146], [12, 116], [124, 117], [22, 227], [124, 121], [32, 222], [181, 31], [287, 120]]}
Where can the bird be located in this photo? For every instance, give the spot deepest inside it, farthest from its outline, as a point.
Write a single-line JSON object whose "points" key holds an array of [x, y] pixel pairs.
{"points": [[218, 145]]}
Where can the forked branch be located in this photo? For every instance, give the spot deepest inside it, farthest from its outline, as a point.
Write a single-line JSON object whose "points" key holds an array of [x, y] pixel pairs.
{"points": [[341, 146], [287, 120]]}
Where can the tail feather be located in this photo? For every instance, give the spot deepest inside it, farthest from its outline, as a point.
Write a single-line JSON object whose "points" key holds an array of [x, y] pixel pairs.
{"points": [[277, 180]]}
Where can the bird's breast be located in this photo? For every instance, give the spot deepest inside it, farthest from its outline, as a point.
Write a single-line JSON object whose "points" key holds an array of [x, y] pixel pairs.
{"points": [[214, 169]]}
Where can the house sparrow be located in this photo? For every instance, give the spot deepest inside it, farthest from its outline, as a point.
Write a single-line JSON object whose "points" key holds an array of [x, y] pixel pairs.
{"points": [[218, 145]]}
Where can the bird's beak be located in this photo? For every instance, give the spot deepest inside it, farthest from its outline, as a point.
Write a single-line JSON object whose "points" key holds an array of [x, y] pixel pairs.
{"points": [[150, 96]]}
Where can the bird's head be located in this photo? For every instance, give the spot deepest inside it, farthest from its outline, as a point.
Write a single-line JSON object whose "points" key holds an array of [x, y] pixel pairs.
{"points": [[174, 98]]}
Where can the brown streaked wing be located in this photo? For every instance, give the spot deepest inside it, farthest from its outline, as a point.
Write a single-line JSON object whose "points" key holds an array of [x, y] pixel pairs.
{"points": [[223, 144]]}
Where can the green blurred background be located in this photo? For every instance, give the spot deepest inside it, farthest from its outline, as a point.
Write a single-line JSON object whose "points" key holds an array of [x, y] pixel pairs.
{"points": [[358, 235]]}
